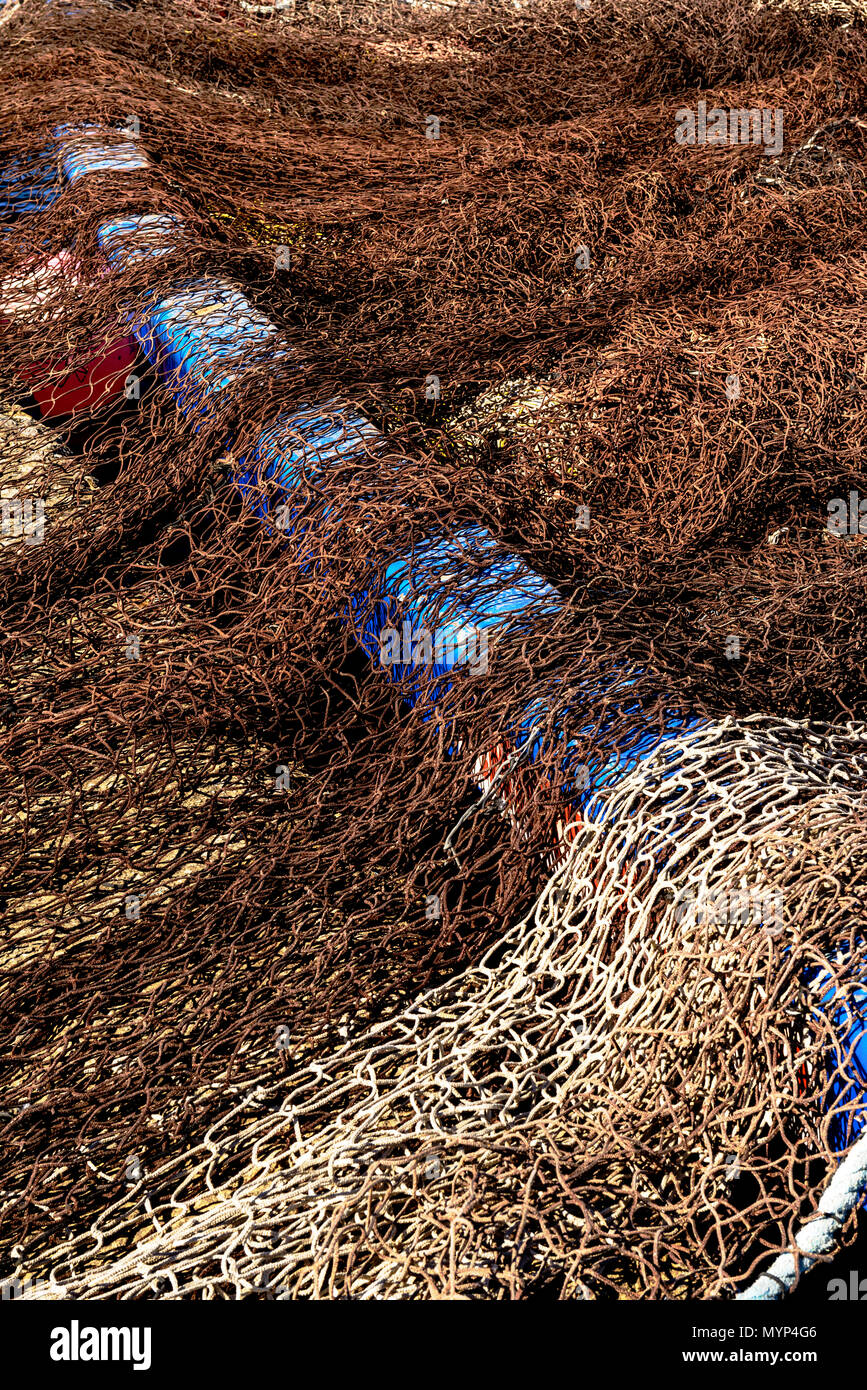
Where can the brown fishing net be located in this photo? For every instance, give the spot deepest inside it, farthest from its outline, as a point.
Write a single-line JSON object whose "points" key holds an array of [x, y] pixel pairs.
{"points": [[283, 1011]]}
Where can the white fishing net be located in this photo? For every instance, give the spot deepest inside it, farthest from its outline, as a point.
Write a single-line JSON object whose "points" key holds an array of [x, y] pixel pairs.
{"points": [[627, 1097]]}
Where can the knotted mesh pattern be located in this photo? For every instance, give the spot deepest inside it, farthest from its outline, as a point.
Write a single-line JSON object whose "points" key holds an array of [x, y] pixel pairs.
{"points": [[613, 1068], [232, 853]]}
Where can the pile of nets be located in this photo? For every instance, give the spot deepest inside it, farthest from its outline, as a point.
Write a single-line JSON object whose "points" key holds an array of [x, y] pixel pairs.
{"points": [[286, 1009], [558, 1116]]}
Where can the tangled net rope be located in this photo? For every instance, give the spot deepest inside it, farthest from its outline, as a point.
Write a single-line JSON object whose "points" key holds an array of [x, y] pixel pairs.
{"points": [[515, 1123], [268, 1025]]}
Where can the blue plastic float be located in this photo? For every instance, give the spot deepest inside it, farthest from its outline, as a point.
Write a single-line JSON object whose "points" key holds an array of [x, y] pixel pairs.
{"points": [[459, 587], [32, 185], [28, 186], [847, 1063]]}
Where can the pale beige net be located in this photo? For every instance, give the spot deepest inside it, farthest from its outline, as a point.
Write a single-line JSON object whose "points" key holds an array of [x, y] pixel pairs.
{"points": [[627, 1097]]}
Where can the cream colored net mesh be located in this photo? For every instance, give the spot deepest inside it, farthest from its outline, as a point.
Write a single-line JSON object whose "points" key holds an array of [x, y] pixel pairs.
{"points": [[628, 1095]]}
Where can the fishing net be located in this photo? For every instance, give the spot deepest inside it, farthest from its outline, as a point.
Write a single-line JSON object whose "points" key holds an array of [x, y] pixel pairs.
{"points": [[269, 1026], [544, 1116]]}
